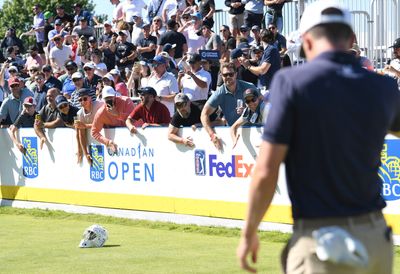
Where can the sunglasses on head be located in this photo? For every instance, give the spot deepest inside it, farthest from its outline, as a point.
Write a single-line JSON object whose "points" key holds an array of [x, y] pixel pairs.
{"points": [[252, 100], [63, 106], [228, 74], [83, 99]]}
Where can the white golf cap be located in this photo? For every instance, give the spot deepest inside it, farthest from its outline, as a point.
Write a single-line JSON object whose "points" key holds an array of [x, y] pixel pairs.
{"points": [[321, 12], [108, 92]]}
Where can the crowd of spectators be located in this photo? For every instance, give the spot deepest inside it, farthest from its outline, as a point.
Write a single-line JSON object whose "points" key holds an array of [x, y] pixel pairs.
{"points": [[144, 69]]}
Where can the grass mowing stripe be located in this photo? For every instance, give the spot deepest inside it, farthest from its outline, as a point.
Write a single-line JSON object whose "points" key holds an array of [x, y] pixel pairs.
{"points": [[272, 236]]}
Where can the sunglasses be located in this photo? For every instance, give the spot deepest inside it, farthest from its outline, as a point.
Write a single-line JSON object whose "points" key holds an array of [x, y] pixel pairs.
{"points": [[180, 104], [63, 106], [76, 79], [252, 100], [83, 99], [229, 74]]}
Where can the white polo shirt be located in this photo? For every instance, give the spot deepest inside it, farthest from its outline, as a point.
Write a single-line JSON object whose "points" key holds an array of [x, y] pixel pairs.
{"points": [[192, 90], [166, 85]]}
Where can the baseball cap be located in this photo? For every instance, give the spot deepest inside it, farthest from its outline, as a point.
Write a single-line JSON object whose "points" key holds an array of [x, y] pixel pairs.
{"points": [[30, 101], [197, 15], [109, 77], [320, 12], [181, 98], [236, 53], [60, 99], [123, 32], [58, 22], [71, 64], [13, 80], [168, 47], [47, 15], [77, 75], [13, 68], [147, 90], [396, 43], [250, 92], [108, 92], [159, 59], [195, 57], [244, 28], [115, 72], [89, 65], [83, 92], [171, 23]]}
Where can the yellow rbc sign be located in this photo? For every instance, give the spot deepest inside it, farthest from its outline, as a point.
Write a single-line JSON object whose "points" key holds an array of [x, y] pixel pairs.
{"points": [[389, 171]]}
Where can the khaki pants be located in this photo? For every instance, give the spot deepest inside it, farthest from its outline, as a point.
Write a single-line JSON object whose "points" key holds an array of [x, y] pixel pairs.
{"points": [[299, 255]]}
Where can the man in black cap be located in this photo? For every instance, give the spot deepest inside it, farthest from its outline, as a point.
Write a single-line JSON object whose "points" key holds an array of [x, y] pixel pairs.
{"points": [[147, 44], [125, 52], [83, 28], [173, 37], [149, 112], [195, 82], [393, 69]]}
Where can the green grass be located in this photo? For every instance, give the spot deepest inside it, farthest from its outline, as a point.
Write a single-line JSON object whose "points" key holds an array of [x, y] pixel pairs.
{"points": [[44, 241]]}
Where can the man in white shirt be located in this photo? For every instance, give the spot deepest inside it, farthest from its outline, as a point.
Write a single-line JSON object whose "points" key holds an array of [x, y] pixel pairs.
{"points": [[59, 54], [195, 82], [164, 83]]}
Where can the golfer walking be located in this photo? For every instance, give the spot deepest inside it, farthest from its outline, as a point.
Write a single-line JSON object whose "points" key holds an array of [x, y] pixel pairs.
{"points": [[327, 122]]}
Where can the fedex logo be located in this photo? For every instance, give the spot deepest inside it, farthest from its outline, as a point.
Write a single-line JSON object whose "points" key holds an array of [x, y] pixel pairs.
{"points": [[235, 168]]}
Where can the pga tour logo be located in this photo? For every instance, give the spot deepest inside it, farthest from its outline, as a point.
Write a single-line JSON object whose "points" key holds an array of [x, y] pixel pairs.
{"points": [[97, 168], [389, 171], [30, 164]]}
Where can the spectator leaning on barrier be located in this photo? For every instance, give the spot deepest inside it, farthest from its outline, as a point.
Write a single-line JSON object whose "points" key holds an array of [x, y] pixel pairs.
{"points": [[113, 114], [332, 174], [149, 112], [66, 111], [12, 105], [25, 119], [226, 97], [49, 116], [253, 114], [85, 115]]}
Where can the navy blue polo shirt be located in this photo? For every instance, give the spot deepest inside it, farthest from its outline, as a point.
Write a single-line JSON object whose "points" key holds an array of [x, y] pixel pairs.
{"points": [[270, 55], [334, 116]]}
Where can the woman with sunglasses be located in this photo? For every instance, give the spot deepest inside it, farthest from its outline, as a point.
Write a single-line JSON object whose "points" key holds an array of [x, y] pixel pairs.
{"points": [[253, 114]]}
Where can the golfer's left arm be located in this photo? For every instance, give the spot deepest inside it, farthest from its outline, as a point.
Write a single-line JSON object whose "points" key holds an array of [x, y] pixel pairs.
{"points": [[262, 189]]}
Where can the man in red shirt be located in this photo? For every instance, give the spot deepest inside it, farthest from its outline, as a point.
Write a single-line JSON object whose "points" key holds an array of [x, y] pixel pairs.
{"points": [[112, 114], [149, 113]]}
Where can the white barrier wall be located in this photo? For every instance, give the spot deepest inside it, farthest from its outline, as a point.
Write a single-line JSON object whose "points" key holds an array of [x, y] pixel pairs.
{"points": [[153, 174]]}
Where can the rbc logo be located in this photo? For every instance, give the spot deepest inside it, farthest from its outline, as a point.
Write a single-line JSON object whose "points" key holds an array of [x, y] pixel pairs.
{"points": [[389, 171], [97, 168], [30, 165], [200, 162]]}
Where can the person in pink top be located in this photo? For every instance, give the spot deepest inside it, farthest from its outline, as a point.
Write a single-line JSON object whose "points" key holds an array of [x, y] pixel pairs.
{"points": [[120, 85], [113, 113]]}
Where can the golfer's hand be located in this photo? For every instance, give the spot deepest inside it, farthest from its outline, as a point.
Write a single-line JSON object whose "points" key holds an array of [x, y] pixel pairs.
{"points": [[248, 247]]}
